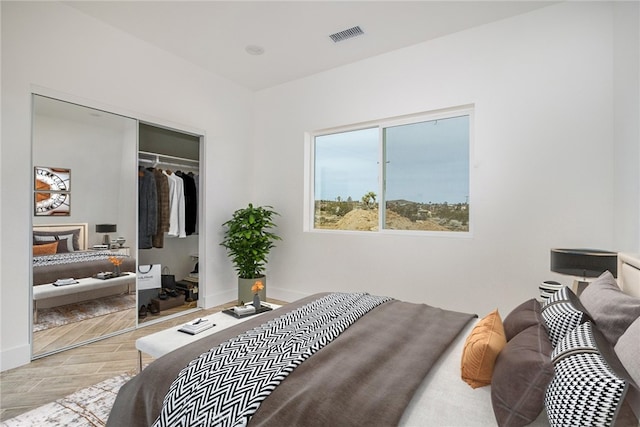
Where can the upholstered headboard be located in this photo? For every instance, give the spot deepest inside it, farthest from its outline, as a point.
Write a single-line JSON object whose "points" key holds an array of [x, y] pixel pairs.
{"points": [[62, 228], [629, 273]]}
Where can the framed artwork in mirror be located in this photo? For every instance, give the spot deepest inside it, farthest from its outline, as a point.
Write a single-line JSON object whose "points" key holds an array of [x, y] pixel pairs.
{"points": [[52, 196], [52, 179]]}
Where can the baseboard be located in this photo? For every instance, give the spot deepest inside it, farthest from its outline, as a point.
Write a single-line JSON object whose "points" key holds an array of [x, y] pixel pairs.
{"points": [[14, 357], [284, 294]]}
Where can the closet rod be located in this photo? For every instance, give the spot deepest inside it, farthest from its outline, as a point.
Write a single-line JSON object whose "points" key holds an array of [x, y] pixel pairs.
{"points": [[157, 158], [179, 165]]}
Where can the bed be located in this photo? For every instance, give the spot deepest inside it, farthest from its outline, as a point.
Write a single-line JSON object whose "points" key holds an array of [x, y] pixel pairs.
{"points": [[61, 251], [61, 256], [399, 363]]}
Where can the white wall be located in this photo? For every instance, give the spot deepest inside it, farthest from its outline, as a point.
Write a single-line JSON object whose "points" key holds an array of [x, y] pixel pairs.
{"points": [[53, 48], [542, 164], [626, 89]]}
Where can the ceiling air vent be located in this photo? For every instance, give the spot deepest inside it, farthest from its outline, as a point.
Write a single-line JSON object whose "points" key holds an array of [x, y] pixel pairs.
{"points": [[346, 34]]}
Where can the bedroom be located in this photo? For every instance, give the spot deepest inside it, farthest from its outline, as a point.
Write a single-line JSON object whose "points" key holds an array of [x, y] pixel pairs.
{"points": [[557, 131]]}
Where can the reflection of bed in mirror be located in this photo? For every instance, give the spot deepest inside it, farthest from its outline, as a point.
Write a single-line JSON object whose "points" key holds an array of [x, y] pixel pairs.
{"points": [[60, 252]]}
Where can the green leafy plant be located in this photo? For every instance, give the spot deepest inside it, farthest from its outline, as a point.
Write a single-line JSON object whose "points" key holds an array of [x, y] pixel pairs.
{"points": [[248, 239]]}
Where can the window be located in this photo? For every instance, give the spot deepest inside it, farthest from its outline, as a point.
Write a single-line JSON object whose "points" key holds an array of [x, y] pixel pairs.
{"points": [[400, 174]]}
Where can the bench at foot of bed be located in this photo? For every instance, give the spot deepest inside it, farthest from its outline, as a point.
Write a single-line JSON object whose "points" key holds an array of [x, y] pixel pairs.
{"points": [[42, 292]]}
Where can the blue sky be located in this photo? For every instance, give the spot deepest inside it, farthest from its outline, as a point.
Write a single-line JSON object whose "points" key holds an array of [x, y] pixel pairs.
{"points": [[425, 162]]}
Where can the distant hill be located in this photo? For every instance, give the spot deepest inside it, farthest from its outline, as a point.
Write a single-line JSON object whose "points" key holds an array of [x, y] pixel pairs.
{"points": [[367, 220]]}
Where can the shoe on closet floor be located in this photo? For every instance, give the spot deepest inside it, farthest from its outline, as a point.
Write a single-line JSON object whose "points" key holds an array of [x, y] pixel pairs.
{"points": [[153, 309], [170, 292], [143, 312]]}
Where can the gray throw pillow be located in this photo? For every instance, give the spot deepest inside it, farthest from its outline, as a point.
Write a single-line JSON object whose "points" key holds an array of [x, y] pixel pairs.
{"points": [[64, 246], [612, 310], [523, 316], [522, 372], [628, 350]]}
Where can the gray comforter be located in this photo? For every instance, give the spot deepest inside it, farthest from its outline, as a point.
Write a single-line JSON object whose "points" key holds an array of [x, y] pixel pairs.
{"points": [[366, 376]]}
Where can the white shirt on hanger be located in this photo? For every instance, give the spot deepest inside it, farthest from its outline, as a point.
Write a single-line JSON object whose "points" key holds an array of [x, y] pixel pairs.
{"points": [[176, 206]]}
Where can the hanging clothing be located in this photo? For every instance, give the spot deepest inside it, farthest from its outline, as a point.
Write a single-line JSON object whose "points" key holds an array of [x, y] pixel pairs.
{"points": [[162, 187], [147, 208], [190, 202], [176, 205], [196, 179]]}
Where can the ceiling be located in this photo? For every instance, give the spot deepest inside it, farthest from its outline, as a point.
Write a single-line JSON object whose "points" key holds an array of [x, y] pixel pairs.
{"points": [[294, 34]]}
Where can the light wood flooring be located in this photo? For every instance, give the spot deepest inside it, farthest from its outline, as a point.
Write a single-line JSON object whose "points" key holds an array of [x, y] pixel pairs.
{"points": [[52, 377], [72, 334]]}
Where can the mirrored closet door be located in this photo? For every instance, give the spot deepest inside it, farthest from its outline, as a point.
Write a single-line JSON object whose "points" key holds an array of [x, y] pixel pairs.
{"points": [[84, 224]]}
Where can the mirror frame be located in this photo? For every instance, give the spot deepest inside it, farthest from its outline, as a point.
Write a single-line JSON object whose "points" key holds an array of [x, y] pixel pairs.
{"points": [[105, 131]]}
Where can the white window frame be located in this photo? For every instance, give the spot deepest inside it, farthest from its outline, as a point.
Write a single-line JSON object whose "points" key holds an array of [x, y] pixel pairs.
{"points": [[309, 172]]}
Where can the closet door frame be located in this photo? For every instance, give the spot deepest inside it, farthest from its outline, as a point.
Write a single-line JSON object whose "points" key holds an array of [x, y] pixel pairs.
{"points": [[200, 224]]}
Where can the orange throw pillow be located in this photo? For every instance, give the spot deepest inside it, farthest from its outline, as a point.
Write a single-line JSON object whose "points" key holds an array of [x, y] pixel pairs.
{"points": [[45, 249], [481, 348]]}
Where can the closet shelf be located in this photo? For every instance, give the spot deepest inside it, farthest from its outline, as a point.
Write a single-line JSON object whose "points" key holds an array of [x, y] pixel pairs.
{"points": [[165, 159]]}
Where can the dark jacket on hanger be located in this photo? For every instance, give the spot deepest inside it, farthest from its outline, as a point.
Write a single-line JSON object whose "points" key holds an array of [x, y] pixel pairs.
{"points": [[190, 202], [162, 189], [147, 208]]}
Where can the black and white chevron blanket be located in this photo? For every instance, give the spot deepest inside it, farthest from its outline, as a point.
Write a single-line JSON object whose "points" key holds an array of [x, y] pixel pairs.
{"points": [[70, 257], [226, 385]]}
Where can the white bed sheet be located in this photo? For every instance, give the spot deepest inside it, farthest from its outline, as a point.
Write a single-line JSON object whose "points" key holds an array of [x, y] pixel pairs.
{"points": [[444, 399]]}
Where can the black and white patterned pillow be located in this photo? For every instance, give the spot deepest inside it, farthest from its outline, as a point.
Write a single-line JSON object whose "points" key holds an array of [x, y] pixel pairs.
{"points": [[548, 288], [589, 383], [562, 313]]}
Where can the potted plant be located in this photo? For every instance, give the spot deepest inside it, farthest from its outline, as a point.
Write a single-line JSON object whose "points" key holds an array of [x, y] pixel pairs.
{"points": [[249, 239]]}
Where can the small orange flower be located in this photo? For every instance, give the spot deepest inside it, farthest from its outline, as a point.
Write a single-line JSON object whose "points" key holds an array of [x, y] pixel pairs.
{"points": [[115, 261], [257, 286]]}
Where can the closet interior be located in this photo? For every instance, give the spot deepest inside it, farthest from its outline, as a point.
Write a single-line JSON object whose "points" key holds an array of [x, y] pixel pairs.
{"points": [[168, 215]]}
